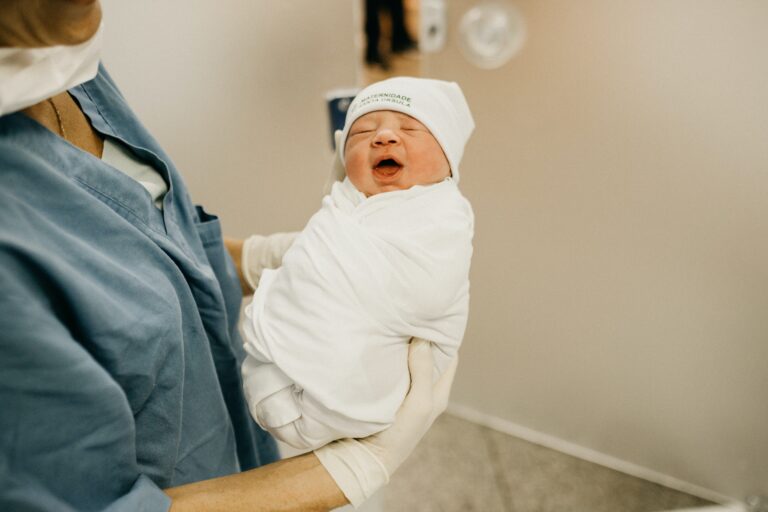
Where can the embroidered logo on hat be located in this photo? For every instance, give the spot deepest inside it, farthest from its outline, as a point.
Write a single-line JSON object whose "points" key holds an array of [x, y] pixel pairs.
{"points": [[382, 97]]}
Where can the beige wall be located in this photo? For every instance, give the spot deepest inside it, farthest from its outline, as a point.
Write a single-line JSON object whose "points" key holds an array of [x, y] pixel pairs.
{"points": [[618, 173], [234, 90]]}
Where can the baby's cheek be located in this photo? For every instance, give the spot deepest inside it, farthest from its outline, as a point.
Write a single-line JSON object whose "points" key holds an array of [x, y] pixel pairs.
{"points": [[357, 176]]}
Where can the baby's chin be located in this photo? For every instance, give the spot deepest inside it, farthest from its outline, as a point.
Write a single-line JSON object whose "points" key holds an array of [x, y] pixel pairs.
{"points": [[373, 184], [373, 187], [372, 191], [389, 182]]}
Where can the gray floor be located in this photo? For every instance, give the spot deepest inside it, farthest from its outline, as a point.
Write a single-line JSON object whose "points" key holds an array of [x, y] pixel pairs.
{"points": [[463, 467]]}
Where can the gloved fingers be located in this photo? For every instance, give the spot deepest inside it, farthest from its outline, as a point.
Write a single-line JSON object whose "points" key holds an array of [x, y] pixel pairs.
{"points": [[382, 453], [262, 252], [250, 260], [441, 391]]}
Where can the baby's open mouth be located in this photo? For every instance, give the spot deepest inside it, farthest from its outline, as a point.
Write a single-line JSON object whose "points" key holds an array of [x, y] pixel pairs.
{"points": [[387, 166]]}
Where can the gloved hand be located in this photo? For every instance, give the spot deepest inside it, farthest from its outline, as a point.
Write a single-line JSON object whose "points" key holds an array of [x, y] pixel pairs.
{"points": [[361, 466], [338, 173], [260, 252]]}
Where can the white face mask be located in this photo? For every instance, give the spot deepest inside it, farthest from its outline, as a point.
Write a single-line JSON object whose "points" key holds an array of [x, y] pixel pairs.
{"points": [[31, 75]]}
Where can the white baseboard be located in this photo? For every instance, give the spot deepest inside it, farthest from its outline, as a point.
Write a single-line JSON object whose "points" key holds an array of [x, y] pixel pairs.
{"points": [[589, 455], [736, 507]]}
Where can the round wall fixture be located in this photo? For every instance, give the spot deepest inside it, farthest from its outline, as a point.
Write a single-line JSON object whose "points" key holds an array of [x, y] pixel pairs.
{"points": [[492, 32]]}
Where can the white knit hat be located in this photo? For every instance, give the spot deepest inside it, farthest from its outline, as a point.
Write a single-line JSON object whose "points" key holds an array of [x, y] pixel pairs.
{"points": [[438, 105]]}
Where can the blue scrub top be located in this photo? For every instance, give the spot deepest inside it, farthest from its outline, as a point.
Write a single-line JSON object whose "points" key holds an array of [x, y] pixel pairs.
{"points": [[119, 352]]}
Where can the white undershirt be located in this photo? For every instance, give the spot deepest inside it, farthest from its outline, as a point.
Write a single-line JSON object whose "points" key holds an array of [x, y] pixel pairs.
{"points": [[121, 158]]}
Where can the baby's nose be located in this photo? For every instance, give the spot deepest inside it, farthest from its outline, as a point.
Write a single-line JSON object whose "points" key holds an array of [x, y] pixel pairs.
{"points": [[385, 137]]}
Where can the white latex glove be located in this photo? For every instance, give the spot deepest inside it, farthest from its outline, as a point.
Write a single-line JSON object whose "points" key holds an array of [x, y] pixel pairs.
{"points": [[361, 466], [260, 252], [338, 173]]}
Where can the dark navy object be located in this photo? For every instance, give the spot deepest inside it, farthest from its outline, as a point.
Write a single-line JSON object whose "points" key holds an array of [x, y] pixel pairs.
{"points": [[338, 104]]}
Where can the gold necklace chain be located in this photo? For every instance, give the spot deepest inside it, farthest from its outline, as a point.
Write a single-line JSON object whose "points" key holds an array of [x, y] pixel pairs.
{"points": [[58, 118]]}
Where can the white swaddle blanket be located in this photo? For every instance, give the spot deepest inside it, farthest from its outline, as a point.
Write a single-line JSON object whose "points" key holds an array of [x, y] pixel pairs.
{"points": [[327, 333]]}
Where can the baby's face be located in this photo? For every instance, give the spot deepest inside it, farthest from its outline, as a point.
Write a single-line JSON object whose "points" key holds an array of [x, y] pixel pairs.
{"points": [[388, 151]]}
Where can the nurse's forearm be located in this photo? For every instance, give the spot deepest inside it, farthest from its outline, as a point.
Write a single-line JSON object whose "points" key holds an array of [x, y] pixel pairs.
{"points": [[298, 483]]}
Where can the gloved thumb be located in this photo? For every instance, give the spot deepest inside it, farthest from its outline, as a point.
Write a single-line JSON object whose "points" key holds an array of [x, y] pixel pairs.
{"points": [[420, 368], [441, 391]]}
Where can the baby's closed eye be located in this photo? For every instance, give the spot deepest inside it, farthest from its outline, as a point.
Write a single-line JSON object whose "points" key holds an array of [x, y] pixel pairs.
{"points": [[412, 128]]}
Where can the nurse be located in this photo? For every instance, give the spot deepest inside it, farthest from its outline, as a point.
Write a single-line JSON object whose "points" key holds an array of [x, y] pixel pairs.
{"points": [[119, 353]]}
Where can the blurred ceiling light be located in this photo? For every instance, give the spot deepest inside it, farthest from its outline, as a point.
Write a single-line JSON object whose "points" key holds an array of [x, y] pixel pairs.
{"points": [[492, 32]]}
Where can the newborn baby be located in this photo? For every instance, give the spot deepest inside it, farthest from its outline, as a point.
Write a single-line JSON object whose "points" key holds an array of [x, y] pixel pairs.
{"points": [[385, 259]]}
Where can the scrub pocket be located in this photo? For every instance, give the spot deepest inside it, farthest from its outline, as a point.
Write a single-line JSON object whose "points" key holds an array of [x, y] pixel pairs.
{"points": [[209, 230], [255, 447]]}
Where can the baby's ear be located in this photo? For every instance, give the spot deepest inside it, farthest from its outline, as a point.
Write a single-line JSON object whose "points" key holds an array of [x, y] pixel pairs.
{"points": [[338, 173]]}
